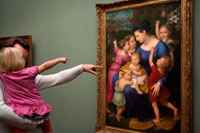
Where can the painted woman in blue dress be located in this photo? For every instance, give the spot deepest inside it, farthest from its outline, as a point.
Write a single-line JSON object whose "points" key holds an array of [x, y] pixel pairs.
{"points": [[138, 105]]}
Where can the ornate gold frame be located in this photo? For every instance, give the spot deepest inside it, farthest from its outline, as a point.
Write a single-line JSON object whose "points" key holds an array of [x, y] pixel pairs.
{"points": [[186, 60]]}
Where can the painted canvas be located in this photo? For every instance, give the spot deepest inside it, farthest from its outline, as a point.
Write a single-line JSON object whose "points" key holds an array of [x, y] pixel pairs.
{"points": [[146, 54]]}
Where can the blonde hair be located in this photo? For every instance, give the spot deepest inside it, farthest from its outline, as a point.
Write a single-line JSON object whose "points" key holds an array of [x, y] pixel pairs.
{"points": [[137, 55], [126, 70], [11, 59], [167, 63]]}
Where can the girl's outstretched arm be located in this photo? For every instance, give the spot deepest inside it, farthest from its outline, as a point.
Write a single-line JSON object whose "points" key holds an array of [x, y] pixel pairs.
{"points": [[51, 63]]}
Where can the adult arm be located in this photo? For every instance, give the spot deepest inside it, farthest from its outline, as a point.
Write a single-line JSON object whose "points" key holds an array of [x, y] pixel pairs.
{"points": [[46, 81]]}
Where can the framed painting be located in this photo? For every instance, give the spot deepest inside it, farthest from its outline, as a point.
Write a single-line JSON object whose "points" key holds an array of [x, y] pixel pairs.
{"points": [[133, 36], [26, 38]]}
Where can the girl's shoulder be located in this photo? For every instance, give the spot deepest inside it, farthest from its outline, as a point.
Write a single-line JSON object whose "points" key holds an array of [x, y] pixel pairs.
{"points": [[29, 70]]}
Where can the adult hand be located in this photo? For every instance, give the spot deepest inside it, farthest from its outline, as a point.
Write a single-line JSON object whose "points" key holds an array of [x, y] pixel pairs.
{"points": [[156, 90], [91, 68]]}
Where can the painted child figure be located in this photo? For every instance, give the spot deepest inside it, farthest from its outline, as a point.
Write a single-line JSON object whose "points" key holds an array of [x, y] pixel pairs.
{"points": [[22, 95], [139, 75], [119, 96], [164, 33], [133, 45], [120, 59], [161, 95]]}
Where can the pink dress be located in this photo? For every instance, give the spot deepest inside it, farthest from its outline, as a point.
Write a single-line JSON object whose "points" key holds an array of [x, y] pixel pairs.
{"points": [[119, 61], [22, 95]]}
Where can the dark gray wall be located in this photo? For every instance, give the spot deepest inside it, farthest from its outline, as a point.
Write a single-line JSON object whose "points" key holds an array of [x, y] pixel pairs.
{"points": [[69, 28]]}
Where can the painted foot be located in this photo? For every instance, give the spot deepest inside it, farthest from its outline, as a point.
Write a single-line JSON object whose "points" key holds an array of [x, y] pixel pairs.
{"points": [[107, 110], [118, 118], [156, 120]]}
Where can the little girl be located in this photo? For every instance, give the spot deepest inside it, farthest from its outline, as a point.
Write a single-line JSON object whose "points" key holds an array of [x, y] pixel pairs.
{"points": [[22, 94], [139, 75], [119, 97], [120, 59], [155, 96]]}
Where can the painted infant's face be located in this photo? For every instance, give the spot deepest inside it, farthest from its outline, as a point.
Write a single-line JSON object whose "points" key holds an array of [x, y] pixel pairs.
{"points": [[135, 60]]}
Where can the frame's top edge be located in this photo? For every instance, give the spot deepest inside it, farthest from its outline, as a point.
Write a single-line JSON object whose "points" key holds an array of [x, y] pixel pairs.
{"points": [[100, 5], [127, 2]]}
